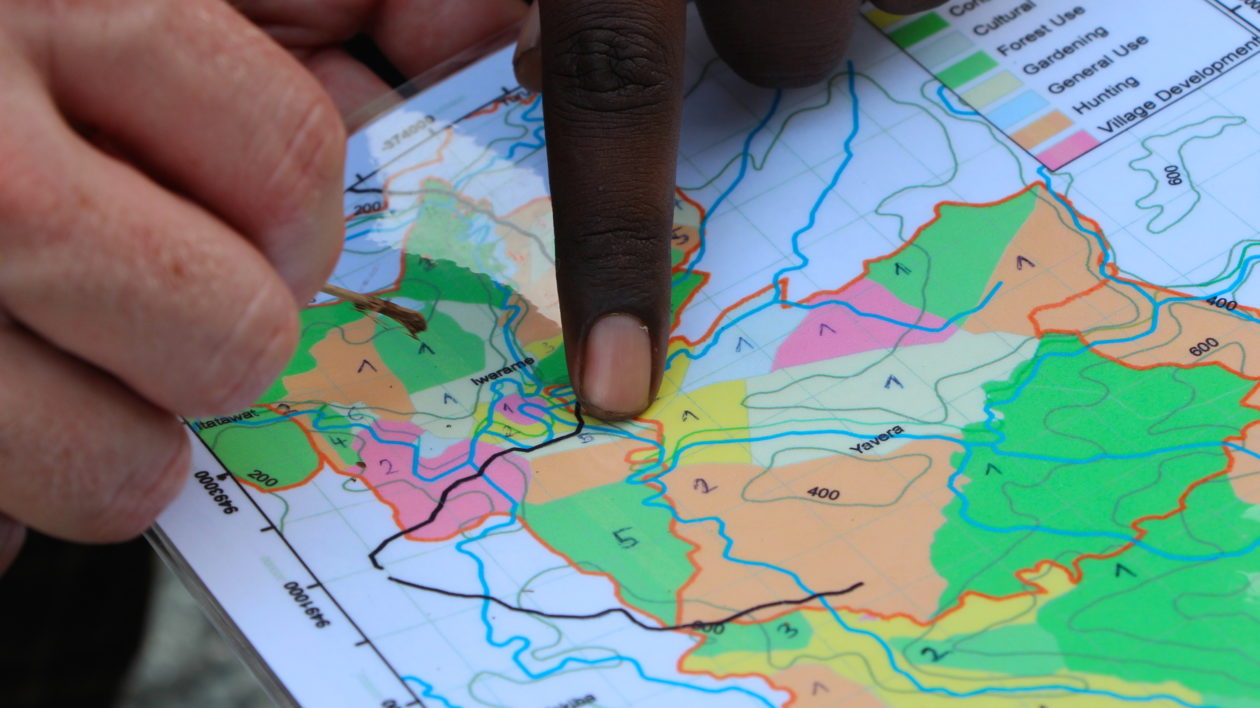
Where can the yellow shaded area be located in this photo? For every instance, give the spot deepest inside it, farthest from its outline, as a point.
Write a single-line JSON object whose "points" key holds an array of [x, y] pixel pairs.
{"points": [[883, 20], [699, 422]]}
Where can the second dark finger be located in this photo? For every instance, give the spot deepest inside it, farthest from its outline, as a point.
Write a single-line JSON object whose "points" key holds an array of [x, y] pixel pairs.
{"points": [[783, 43]]}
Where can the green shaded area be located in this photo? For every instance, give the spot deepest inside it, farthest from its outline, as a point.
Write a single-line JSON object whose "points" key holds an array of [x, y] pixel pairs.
{"points": [[442, 228], [438, 281], [1100, 445], [789, 633], [336, 429], [444, 352], [1014, 650], [914, 32], [683, 289], [553, 369], [608, 529], [964, 71], [278, 451], [946, 269], [1197, 623]]}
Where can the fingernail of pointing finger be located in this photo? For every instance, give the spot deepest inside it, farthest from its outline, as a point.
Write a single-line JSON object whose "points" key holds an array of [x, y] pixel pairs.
{"points": [[527, 60], [617, 368]]}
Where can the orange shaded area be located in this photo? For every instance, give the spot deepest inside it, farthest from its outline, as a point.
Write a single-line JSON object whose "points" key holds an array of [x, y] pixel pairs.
{"points": [[816, 686], [1118, 312], [343, 378], [562, 474], [1047, 261], [879, 531]]}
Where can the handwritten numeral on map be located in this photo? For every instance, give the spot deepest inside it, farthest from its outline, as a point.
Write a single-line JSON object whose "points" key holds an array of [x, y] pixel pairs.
{"points": [[825, 328], [1204, 347], [389, 467], [933, 654], [788, 629], [366, 365], [893, 380], [626, 542], [1172, 173], [1122, 569], [1021, 261], [900, 269], [716, 628], [992, 469], [689, 415], [586, 438], [702, 486]]}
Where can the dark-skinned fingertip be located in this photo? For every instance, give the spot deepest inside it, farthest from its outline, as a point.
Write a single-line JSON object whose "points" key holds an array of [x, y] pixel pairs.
{"points": [[616, 368]]}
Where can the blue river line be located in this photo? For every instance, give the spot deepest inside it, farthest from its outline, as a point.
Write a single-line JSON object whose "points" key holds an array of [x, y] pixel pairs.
{"points": [[949, 105]]}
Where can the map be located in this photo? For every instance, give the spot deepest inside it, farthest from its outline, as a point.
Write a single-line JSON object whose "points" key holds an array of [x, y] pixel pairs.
{"points": [[960, 409]]}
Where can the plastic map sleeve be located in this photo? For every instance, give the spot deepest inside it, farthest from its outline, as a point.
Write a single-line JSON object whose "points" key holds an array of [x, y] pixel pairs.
{"points": [[960, 410]]}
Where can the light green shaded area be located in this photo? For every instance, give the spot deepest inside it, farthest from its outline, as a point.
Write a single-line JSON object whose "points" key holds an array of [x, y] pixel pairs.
{"points": [[946, 269], [914, 32], [991, 90], [1196, 623], [1097, 446], [443, 231], [444, 352], [941, 50], [279, 450], [788, 633], [584, 527], [967, 70]]}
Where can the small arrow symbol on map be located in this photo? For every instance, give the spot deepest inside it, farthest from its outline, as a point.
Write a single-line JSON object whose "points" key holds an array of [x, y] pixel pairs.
{"points": [[825, 328], [893, 380], [1020, 261], [1122, 568], [739, 346], [991, 469], [366, 364], [900, 269], [819, 686]]}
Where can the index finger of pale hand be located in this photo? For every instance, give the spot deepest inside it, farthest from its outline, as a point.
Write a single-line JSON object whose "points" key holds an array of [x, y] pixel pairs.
{"points": [[612, 96]]}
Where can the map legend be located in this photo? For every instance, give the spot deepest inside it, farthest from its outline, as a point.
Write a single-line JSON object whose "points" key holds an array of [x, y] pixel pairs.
{"points": [[1060, 82]]}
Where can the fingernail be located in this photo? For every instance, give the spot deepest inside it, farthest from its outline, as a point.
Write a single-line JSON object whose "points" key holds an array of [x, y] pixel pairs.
{"points": [[617, 368], [527, 60]]}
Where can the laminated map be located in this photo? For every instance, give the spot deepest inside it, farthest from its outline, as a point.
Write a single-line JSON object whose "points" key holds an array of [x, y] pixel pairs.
{"points": [[960, 407]]}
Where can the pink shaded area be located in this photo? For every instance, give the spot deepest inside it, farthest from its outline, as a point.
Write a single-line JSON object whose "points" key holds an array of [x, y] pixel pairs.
{"points": [[413, 489], [510, 409], [833, 331], [1068, 149]]}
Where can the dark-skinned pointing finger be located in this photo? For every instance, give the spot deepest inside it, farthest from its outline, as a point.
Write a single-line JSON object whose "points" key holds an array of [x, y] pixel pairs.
{"points": [[611, 76], [612, 96]]}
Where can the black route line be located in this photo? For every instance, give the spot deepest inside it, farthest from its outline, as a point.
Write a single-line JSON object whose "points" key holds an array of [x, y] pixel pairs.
{"points": [[271, 526], [621, 611], [481, 472]]}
